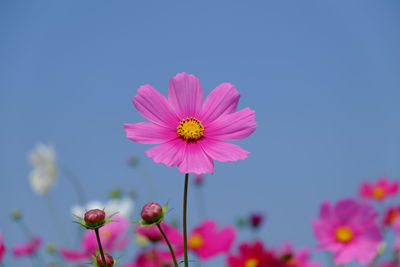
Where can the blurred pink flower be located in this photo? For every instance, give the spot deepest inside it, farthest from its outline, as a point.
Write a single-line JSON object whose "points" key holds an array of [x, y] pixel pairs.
{"points": [[349, 230], [191, 133], [153, 233], [299, 258], [27, 249], [391, 214], [379, 190], [151, 258], [2, 247], [254, 255], [386, 264], [396, 227], [206, 241], [112, 237], [199, 179]]}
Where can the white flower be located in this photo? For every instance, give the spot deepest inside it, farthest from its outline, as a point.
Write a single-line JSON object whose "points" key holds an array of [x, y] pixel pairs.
{"points": [[123, 206], [43, 175]]}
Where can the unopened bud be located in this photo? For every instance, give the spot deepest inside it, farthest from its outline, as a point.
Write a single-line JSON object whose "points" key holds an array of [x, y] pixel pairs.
{"points": [[95, 217], [109, 260], [151, 212]]}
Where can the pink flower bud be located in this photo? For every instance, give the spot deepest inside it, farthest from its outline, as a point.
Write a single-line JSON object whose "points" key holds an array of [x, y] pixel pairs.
{"points": [[109, 260], [256, 220], [151, 212], [95, 217], [199, 179]]}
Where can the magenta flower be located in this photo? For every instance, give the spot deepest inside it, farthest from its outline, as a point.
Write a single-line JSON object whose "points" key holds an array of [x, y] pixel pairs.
{"points": [[151, 258], [349, 230], [390, 263], [27, 249], [112, 237], [380, 190], [206, 241], [254, 255], [2, 247], [153, 234], [391, 214], [191, 133], [299, 258], [396, 227]]}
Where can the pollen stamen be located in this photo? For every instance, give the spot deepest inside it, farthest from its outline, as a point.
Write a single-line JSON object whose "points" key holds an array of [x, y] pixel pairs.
{"points": [[190, 129]]}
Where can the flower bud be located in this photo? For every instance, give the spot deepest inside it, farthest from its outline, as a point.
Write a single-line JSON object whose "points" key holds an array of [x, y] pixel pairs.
{"points": [[199, 179], [109, 260], [151, 212], [16, 214], [51, 248], [95, 217], [256, 220]]}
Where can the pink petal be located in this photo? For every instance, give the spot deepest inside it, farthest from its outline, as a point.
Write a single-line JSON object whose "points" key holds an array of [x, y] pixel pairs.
{"points": [[149, 133], [365, 190], [185, 95], [195, 160], [170, 153], [222, 151], [222, 100], [74, 254], [233, 126], [155, 107], [346, 209]]}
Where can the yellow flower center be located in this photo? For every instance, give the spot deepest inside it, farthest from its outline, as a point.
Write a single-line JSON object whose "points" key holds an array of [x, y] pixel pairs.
{"points": [[196, 241], [106, 234], [344, 234], [190, 129], [251, 262], [378, 193], [393, 216]]}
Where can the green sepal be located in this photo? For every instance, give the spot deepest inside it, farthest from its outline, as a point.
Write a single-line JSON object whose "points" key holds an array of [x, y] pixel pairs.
{"points": [[82, 222], [143, 223]]}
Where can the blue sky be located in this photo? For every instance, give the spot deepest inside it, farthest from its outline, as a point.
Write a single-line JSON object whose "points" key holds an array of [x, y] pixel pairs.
{"points": [[322, 76]]}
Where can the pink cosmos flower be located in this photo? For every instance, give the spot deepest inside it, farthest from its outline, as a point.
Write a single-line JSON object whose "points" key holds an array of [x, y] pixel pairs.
{"points": [[299, 258], [112, 237], [254, 255], [380, 190], [386, 264], [349, 230], [151, 258], [206, 241], [396, 227], [27, 249], [2, 247], [153, 233], [192, 134], [391, 214]]}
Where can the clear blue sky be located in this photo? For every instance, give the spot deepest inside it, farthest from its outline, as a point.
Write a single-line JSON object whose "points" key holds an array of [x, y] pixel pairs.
{"points": [[322, 76]]}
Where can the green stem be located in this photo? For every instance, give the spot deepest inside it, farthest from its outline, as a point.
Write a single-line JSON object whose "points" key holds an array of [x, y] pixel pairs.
{"points": [[60, 227], [75, 184], [169, 244], [29, 236], [184, 220], [100, 247]]}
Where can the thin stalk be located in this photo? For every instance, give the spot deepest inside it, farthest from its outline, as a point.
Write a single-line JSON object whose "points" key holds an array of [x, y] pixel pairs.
{"points": [[184, 220], [100, 247], [71, 177], [56, 219], [169, 244], [29, 236]]}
